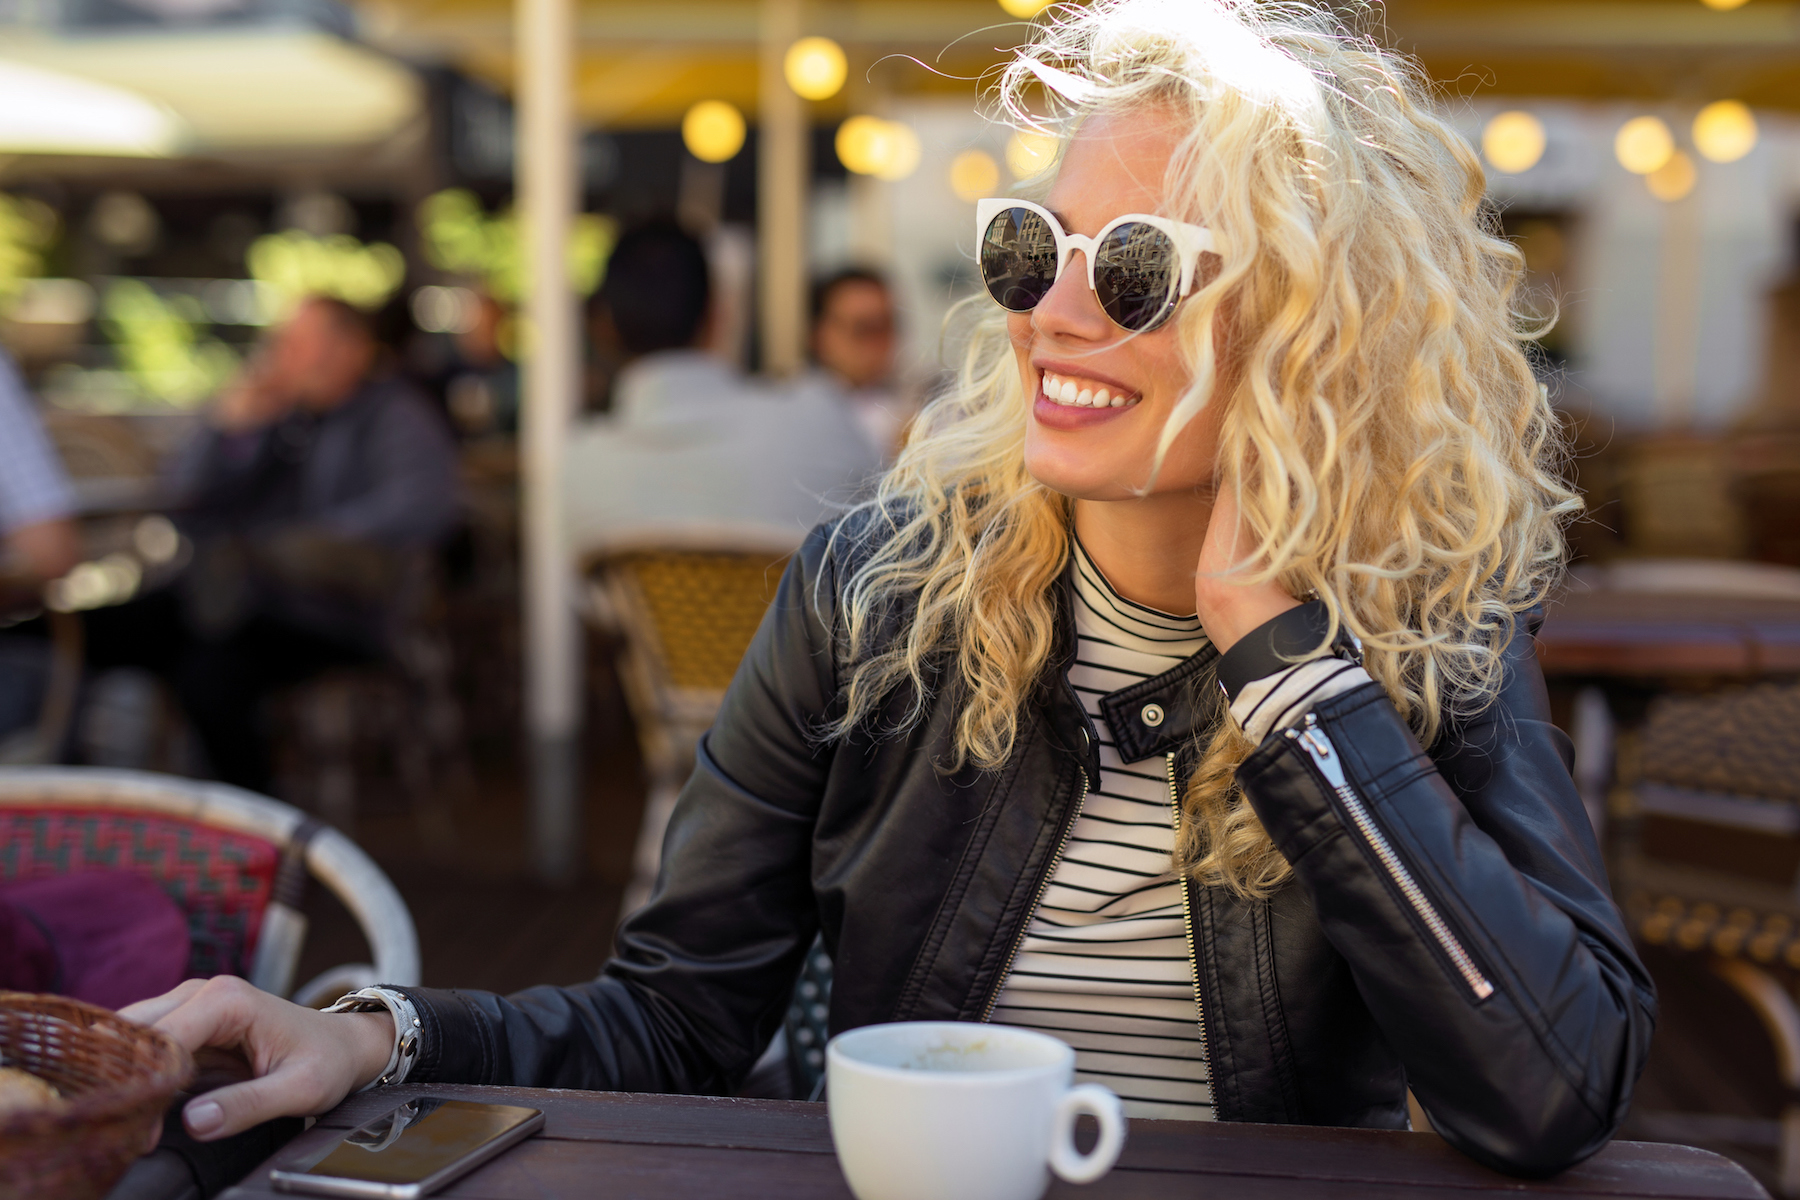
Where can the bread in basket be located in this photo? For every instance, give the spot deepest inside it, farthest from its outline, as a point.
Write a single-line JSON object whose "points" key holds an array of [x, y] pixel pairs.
{"points": [[115, 1080]]}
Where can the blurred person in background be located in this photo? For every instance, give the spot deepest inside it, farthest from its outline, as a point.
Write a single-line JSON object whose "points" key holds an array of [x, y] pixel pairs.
{"points": [[853, 340], [319, 477], [37, 526], [689, 439]]}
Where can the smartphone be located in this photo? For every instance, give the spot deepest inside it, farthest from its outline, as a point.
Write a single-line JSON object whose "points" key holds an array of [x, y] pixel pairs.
{"points": [[412, 1151]]}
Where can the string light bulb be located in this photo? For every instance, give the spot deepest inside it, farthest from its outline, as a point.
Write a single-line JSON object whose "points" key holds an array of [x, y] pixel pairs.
{"points": [[713, 131], [1725, 131], [1028, 152], [815, 68], [888, 150], [1513, 142], [1674, 179], [974, 174], [1643, 145]]}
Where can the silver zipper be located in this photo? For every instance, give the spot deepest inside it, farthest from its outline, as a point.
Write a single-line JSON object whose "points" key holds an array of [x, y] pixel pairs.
{"points": [[1324, 755], [1187, 912], [1043, 886]]}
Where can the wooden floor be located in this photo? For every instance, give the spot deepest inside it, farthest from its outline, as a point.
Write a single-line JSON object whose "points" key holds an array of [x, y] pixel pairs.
{"points": [[483, 923]]}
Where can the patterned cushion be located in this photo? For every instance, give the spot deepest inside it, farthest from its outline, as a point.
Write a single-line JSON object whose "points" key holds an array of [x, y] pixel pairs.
{"points": [[220, 879]]}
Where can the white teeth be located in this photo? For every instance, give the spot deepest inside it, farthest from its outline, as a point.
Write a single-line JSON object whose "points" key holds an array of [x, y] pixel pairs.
{"points": [[1067, 391]]}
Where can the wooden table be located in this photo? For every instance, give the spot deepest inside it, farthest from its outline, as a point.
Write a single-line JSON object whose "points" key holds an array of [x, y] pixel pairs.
{"points": [[618, 1146], [1636, 634]]}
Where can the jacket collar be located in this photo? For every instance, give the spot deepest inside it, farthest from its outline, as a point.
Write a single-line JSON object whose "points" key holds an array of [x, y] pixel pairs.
{"points": [[1150, 718]]}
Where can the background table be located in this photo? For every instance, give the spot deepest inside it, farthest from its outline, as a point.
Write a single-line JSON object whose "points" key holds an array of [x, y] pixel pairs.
{"points": [[619, 1147], [1618, 633]]}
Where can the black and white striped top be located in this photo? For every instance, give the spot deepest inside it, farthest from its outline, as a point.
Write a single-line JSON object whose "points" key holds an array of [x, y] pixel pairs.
{"points": [[1105, 964]]}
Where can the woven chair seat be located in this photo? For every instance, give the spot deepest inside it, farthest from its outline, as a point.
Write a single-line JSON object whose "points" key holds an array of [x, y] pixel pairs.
{"points": [[222, 880]]}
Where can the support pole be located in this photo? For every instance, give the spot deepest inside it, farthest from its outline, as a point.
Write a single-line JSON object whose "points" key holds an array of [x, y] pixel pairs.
{"points": [[781, 186], [545, 184]]}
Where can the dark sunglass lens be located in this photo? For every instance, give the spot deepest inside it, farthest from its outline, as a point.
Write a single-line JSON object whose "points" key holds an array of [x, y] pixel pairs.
{"points": [[1018, 259], [1137, 276]]}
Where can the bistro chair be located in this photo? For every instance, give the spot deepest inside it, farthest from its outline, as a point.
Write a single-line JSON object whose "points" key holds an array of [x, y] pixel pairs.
{"points": [[236, 864], [404, 707], [686, 600], [1708, 866]]}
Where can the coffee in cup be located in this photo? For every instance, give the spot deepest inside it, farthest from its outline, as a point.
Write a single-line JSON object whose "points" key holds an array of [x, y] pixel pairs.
{"points": [[953, 1110]]}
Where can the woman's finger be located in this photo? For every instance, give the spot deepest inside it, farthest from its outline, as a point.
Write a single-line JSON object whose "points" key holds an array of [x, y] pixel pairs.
{"points": [[215, 1014], [234, 1109], [149, 1012]]}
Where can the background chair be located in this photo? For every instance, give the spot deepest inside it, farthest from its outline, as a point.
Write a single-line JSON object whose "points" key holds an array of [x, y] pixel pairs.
{"points": [[236, 863], [686, 601], [1708, 865], [404, 706]]}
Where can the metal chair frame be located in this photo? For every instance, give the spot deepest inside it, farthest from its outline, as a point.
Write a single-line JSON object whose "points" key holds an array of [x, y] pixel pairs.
{"points": [[670, 718], [329, 856]]}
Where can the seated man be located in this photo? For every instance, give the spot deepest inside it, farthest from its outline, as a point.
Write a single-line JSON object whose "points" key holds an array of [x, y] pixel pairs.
{"points": [[38, 538], [854, 339], [317, 475], [690, 440]]}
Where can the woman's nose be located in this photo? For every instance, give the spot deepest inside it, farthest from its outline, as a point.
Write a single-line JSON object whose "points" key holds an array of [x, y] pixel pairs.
{"points": [[1069, 310]]}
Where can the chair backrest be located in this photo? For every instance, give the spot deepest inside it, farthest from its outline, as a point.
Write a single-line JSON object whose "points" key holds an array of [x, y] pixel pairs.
{"points": [[1711, 856], [694, 612], [688, 610], [219, 852]]}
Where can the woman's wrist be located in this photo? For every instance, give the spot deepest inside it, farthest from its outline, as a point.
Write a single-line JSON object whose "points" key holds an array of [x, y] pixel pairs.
{"points": [[1228, 611], [371, 1036]]}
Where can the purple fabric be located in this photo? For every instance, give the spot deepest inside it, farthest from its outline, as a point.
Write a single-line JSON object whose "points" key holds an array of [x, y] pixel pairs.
{"points": [[108, 937]]}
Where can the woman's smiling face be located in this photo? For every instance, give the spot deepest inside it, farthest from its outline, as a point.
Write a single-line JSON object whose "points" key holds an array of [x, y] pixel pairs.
{"points": [[1067, 344]]}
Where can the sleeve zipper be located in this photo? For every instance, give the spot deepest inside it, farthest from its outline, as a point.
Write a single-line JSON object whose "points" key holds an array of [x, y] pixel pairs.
{"points": [[1187, 915], [1329, 764]]}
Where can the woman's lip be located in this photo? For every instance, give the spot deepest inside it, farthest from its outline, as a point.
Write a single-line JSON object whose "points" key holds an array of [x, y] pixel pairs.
{"points": [[1052, 415], [1073, 371]]}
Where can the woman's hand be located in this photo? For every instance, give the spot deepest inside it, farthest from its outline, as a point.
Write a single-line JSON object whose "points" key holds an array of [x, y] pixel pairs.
{"points": [[1230, 608], [303, 1061]]}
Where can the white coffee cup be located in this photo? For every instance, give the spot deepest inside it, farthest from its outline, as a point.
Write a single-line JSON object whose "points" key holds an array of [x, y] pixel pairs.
{"points": [[953, 1110]]}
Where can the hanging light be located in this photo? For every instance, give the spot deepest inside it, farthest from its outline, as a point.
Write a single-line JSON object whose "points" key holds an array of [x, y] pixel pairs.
{"points": [[872, 146], [1723, 5], [1025, 9], [713, 131], [1027, 153], [1513, 142], [815, 67], [1674, 179], [1643, 144], [974, 174], [1725, 131]]}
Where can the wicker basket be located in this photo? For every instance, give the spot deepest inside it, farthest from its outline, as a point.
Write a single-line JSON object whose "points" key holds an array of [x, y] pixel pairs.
{"points": [[116, 1077]]}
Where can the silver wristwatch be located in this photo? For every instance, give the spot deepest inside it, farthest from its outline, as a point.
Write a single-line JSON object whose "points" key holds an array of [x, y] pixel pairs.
{"points": [[407, 1029]]}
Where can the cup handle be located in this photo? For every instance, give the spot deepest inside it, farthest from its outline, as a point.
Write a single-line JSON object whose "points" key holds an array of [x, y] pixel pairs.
{"points": [[1105, 1108]]}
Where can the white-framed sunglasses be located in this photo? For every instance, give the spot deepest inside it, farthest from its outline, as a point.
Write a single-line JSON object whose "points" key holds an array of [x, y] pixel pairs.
{"points": [[1139, 266]]}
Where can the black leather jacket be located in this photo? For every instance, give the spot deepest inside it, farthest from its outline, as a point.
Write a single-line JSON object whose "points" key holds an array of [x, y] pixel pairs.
{"points": [[1448, 926]]}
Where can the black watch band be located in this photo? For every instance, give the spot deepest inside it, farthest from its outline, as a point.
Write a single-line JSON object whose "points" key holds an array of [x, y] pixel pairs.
{"points": [[1278, 643]]}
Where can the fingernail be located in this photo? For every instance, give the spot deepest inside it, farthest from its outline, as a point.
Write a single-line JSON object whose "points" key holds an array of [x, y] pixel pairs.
{"points": [[203, 1116]]}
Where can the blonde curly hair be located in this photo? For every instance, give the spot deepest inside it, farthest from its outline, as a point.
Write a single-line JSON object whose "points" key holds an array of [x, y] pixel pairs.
{"points": [[1390, 447]]}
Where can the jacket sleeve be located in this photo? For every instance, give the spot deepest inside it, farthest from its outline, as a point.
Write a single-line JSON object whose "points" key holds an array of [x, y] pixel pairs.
{"points": [[701, 975], [1467, 893]]}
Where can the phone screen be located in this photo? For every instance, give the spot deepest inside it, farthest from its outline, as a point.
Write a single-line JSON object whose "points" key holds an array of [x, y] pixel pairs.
{"points": [[419, 1139]]}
